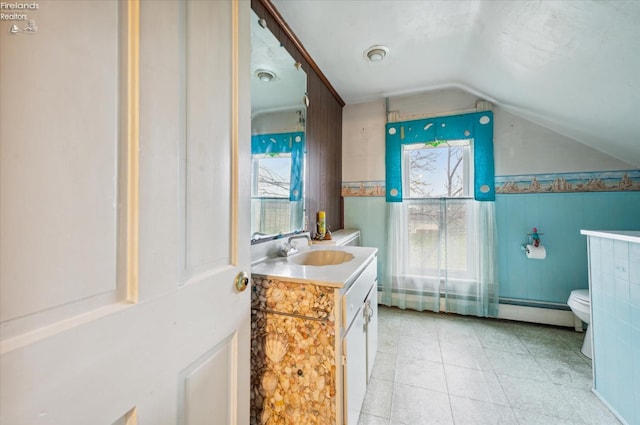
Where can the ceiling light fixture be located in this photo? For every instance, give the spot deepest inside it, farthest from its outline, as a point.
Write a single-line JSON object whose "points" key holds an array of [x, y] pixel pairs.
{"points": [[376, 53], [265, 76]]}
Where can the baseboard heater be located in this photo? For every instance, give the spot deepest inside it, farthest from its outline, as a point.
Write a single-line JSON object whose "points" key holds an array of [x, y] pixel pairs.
{"points": [[542, 312], [532, 303]]}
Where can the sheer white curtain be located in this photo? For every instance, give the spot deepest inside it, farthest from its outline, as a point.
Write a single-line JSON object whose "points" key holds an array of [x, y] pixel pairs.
{"points": [[441, 256]]}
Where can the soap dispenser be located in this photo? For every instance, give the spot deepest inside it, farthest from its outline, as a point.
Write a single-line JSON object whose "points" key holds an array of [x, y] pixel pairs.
{"points": [[322, 224]]}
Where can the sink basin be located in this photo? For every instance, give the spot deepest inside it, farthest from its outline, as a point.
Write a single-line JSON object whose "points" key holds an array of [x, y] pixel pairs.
{"points": [[328, 257]]}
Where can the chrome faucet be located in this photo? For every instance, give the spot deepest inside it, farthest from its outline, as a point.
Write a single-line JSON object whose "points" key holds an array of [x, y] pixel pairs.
{"points": [[288, 249], [305, 236]]}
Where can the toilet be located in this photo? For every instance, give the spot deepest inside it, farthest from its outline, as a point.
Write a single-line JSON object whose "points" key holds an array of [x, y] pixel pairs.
{"points": [[581, 306]]}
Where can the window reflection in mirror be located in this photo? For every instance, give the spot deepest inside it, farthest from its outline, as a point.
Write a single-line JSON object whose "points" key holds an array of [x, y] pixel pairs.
{"points": [[272, 176], [277, 183], [278, 116], [271, 207]]}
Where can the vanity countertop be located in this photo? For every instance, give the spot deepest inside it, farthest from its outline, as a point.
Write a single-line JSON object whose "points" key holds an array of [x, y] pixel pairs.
{"points": [[337, 276], [338, 237], [621, 235]]}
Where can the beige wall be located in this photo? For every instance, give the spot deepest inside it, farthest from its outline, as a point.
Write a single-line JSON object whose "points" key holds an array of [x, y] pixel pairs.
{"points": [[521, 146]]}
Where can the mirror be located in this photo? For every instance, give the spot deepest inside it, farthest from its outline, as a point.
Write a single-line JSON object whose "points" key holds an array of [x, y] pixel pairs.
{"points": [[278, 115]]}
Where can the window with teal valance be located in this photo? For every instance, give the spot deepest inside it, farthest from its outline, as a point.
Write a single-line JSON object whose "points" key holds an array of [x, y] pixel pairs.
{"points": [[477, 126], [284, 143]]}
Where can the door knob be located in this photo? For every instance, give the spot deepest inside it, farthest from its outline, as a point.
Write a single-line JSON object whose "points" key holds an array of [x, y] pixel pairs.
{"points": [[242, 281]]}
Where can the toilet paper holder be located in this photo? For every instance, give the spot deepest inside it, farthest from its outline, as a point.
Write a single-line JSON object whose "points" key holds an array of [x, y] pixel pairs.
{"points": [[533, 238], [524, 248]]}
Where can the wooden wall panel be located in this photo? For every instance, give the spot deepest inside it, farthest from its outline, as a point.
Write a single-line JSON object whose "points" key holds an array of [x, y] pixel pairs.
{"points": [[323, 132]]}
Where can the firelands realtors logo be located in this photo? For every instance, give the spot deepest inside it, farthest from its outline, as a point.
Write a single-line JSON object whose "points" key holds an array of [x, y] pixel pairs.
{"points": [[18, 14]]}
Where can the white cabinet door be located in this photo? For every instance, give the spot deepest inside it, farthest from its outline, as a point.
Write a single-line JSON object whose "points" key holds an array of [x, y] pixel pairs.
{"points": [[355, 374], [124, 214]]}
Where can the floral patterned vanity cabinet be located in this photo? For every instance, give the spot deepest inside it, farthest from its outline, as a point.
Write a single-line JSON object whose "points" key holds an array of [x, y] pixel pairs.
{"points": [[299, 354]]}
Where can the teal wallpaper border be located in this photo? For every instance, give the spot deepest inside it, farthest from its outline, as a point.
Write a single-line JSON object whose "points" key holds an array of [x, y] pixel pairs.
{"points": [[360, 189], [598, 181], [592, 181]]}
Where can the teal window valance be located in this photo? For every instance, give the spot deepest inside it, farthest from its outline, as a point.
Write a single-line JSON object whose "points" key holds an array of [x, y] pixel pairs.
{"points": [[284, 143], [477, 126]]}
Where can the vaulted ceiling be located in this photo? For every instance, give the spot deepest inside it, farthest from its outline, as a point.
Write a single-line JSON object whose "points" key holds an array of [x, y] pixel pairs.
{"points": [[572, 66]]}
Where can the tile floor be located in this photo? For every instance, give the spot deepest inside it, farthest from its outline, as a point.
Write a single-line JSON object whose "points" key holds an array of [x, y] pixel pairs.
{"points": [[449, 369]]}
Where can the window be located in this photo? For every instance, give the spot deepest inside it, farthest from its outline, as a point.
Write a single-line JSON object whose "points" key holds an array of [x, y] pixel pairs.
{"points": [[277, 190], [272, 176], [271, 185], [439, 236], [439, 181], [438, 169]]}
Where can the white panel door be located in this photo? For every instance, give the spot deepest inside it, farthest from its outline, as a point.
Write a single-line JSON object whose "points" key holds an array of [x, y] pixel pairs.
{"points": [[124, 213]]}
